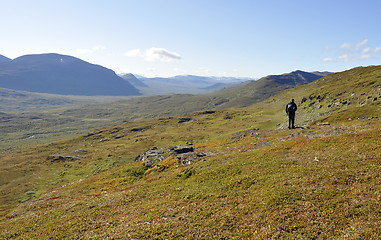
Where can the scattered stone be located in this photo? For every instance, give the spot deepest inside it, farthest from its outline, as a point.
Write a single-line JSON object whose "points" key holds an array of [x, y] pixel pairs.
{"points": [[138, 129], [208, 112], [55, 158], [80, 151], [93, 133], [185, 119], [89, 134], [245, 133]]}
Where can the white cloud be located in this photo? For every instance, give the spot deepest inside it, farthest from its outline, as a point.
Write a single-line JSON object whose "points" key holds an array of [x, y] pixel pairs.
{"points": [[344, 57], [345, 46], [154, 54], [366, 57], [328, 60], [133, 53], [161, 54], [366, 50], [354, 52], [362, 43]]}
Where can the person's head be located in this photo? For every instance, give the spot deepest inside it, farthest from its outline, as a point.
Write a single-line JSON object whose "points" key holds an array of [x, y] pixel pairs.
{"points": [[292, 100]]}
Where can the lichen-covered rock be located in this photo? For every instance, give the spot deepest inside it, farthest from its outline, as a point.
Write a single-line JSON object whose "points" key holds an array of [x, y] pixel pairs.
{"points": [[185, 154]]}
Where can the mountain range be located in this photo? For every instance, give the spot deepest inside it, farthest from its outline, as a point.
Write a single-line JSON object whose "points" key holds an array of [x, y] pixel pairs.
{"points": [[61, 74], [182, 84]]}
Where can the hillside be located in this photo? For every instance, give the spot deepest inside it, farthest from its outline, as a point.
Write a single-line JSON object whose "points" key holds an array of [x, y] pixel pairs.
{"points": [[242, 174], [44, 126], [256, 91], [61, 74]]}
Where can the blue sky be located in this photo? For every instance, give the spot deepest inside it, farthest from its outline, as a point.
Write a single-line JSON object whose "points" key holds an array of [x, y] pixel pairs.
{"points": [[241, 38]]}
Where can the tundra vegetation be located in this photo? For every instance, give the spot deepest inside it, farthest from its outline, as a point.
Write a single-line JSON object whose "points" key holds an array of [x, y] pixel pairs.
{"points": [[216, 174]]}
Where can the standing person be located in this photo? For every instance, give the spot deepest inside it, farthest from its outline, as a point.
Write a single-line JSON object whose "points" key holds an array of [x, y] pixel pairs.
{"points": [[290, 110]]}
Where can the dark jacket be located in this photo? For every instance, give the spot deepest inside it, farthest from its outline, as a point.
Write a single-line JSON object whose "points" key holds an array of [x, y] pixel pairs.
{"points": [[291, 108]]}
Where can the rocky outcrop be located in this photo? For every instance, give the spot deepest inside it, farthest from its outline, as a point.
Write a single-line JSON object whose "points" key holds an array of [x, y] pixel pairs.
{"points": [[185, 154], [56, 158], [64, 157]]}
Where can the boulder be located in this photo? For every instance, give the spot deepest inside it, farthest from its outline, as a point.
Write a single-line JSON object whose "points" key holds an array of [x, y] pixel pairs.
{"points": [[185, 155]]}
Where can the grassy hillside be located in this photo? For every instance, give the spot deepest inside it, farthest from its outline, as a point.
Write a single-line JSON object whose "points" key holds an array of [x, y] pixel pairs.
{"points": [[46, 125], [249, 177]]}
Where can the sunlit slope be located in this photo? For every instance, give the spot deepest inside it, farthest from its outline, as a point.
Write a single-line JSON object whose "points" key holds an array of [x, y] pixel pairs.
{"points": [[252, 177]]}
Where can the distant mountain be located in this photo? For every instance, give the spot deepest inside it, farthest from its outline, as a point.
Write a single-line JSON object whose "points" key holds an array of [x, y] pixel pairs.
{"points": [[4, 59], [186, 84], [61, 74], [133, 80], [252, 92]]}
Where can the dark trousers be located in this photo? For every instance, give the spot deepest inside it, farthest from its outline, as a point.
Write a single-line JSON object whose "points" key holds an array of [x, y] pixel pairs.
{"points": [[291, 120]]}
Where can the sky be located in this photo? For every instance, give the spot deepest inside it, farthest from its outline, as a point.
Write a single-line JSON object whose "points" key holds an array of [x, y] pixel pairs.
{"points": [[232, 38]]}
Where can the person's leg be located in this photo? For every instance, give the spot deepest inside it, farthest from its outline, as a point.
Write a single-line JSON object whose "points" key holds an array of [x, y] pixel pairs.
{"points": [[293, 120]]}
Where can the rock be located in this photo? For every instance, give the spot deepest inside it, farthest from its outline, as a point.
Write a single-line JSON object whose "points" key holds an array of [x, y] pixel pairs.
{"points": [[80, 151], [185, 154], [54, 158], [208, 112], [185, 119], [180, 149], [93, 133], [138, 129]]}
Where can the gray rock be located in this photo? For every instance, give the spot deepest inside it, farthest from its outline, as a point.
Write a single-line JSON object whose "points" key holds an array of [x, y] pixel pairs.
{"points": [[55, 158]]}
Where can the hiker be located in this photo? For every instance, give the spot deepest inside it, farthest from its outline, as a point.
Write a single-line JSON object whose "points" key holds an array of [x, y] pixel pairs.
{"points": [[290, 110]]}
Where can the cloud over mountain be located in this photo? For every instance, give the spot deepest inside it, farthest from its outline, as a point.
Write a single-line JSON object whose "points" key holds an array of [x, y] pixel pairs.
{"points": [[154, 54], [354, 52]]}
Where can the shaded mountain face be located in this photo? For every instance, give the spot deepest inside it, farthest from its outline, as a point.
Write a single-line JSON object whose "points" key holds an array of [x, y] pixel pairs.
{"points": [[4, 59], [133, 80], [61, 74]]}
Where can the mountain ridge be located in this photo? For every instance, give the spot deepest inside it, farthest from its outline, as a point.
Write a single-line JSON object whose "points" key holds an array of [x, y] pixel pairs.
{"points": [[62, 74], [4, 59]]}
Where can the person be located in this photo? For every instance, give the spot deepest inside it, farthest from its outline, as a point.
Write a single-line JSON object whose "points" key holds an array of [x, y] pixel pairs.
{"points": [[290, 110]]}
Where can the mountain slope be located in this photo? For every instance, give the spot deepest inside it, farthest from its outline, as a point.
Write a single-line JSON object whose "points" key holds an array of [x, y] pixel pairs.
{"points": [[248, 177], [60, 74], [4, 59], [257, 91], [133, 80]]}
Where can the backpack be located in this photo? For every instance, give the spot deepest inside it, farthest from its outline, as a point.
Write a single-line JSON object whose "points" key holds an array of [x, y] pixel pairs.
{"points": [[290, 107]]}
